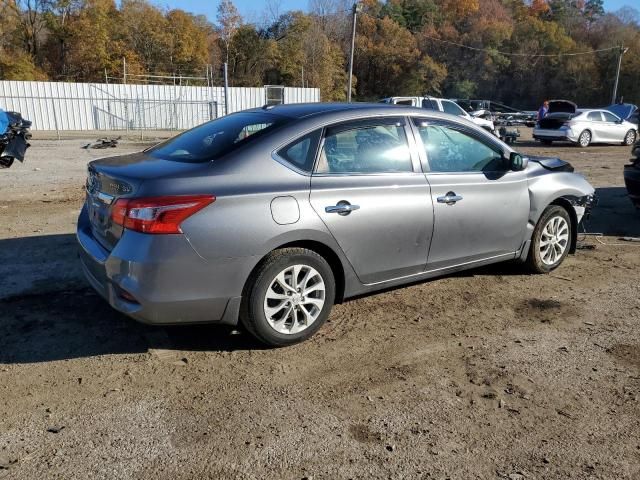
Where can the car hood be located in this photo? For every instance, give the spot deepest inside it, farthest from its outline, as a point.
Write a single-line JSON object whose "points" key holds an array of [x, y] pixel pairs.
{"points": [[564, 106], [553, 164], [623, 110]]}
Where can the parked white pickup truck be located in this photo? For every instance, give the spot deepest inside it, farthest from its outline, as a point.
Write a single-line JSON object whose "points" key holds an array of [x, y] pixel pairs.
{"points": [[442, 105]]}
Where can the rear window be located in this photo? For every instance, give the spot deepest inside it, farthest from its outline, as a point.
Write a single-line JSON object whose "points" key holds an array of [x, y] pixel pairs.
{"points": [[214, 139]]}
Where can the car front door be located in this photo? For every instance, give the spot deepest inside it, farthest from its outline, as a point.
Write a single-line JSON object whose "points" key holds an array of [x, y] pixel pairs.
{"points": [[615, 130], [481, 208], [369, 190]]}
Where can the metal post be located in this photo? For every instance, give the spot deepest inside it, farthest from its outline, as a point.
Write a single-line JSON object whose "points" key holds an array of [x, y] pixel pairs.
{"points": [[226, 89], [622, 51], [55, 118], [124, 70], [106, 78], [356, 8], [302, 67]]}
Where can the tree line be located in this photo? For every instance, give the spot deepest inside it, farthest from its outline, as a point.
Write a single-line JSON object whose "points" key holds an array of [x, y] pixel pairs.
{"points": [[515, 51]]}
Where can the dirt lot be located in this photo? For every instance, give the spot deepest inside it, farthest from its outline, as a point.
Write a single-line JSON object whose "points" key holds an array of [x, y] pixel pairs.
{"points": [[488, 374]]}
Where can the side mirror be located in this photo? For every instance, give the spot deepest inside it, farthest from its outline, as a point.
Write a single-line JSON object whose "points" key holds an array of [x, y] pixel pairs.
{"points": [[517, 161]]}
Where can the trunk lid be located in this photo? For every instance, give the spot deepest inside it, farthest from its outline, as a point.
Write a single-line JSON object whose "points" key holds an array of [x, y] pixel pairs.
{"points": [[562, 106], [553, 121], [111, 178]]}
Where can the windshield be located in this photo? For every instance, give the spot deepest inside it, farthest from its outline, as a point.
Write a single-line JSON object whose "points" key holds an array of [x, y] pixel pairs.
{"points": [[214, 139]]}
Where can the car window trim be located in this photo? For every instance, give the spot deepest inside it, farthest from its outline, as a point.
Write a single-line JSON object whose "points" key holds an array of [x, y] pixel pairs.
{"points": [[372, 121], [454, 126]]}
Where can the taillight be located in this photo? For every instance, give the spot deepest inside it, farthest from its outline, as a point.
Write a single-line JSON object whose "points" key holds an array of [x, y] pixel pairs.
{"points": [[158, 214]]}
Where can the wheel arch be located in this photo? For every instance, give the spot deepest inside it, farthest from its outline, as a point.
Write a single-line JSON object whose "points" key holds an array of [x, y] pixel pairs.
{"points": [[566, 203], [322, 249]]}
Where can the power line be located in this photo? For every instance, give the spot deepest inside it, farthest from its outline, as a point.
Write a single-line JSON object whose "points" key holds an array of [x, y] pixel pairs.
{"points": [[530, 55]]}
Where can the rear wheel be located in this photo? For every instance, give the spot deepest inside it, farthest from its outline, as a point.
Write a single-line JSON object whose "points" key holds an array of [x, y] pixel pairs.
{"points": [[630, 138], [584, 140], [551, 240], [289, 297]]}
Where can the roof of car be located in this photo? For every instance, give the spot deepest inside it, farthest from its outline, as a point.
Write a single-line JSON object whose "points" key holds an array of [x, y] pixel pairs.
{"points": [[300, 110]]}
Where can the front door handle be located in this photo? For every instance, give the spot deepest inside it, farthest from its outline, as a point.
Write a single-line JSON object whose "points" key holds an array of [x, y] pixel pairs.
{"points": [[342, 208], [450, 198]]}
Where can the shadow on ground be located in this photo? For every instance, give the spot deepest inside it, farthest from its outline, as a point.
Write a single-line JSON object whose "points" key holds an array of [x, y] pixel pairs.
{"points": [[614, 215], [48, 312]]}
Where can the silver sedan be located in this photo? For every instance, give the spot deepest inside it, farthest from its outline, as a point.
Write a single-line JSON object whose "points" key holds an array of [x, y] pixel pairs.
{"points": [[268, 217], [584, 127]]}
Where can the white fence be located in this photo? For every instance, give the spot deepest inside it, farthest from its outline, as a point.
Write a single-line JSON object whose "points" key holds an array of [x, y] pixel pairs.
{"points": [[100, 106]]}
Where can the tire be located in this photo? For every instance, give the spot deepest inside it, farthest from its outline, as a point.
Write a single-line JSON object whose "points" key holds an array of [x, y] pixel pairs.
{"points": [[553, 227], [584, 140], [630, 138], [273, 308]]}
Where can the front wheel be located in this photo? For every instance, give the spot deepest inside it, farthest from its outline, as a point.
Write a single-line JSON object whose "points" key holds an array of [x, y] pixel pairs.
{"points": [[551, 240], [629, 138], [584, 140], [289, 297]]}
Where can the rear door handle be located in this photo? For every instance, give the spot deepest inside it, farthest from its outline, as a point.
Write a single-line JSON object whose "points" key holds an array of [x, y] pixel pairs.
{"points": [[450, 198], [342, 208]]}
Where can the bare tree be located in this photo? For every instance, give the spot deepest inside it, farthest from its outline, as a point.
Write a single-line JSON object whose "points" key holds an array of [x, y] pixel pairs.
{"points": [[229, 20]]}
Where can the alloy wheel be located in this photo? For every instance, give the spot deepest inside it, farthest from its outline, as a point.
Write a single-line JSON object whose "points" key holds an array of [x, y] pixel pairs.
{"points": [[585, 139], [294, 300], [554, 240], [630, 137]]}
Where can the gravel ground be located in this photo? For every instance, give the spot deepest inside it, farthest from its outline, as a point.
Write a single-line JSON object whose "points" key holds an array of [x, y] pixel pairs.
{"points": [[491, 373]]}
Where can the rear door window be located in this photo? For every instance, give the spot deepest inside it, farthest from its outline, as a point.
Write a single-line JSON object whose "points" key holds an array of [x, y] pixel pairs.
{"points": [[594, 116], [452, 108], [369, 147]]}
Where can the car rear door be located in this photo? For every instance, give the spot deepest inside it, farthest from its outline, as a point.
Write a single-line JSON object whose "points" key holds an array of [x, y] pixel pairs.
{"points": [[598, 127], [369, 190], [481, 209]]}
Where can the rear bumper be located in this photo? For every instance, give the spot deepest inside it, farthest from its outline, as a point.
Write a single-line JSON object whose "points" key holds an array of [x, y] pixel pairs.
{"points": [[170, 283], [562, 134]]}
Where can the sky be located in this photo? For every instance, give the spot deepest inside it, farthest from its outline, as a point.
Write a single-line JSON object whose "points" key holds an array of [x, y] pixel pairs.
{"points": [[253, 10]]}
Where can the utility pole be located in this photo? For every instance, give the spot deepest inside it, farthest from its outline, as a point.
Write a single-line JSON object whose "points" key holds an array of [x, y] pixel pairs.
{"points": [[302, 67], [124, 70], [357, 7], [622, 51], [226, 89]]}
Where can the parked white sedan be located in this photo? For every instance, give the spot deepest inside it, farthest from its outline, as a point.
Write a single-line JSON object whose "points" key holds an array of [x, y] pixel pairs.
{"points": [[564, 122]]}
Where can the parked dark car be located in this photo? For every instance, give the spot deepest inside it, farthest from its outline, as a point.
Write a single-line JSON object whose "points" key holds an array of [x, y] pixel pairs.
{"points": [[14, 137], [632, 176]]}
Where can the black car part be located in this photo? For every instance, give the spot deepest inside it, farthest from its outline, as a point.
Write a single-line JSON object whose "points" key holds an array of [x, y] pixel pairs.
{"points": [[15, 140]]}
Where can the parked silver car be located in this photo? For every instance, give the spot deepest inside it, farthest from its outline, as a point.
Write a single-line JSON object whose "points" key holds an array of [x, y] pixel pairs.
{"points": [[270, 216], [564, 122]]}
